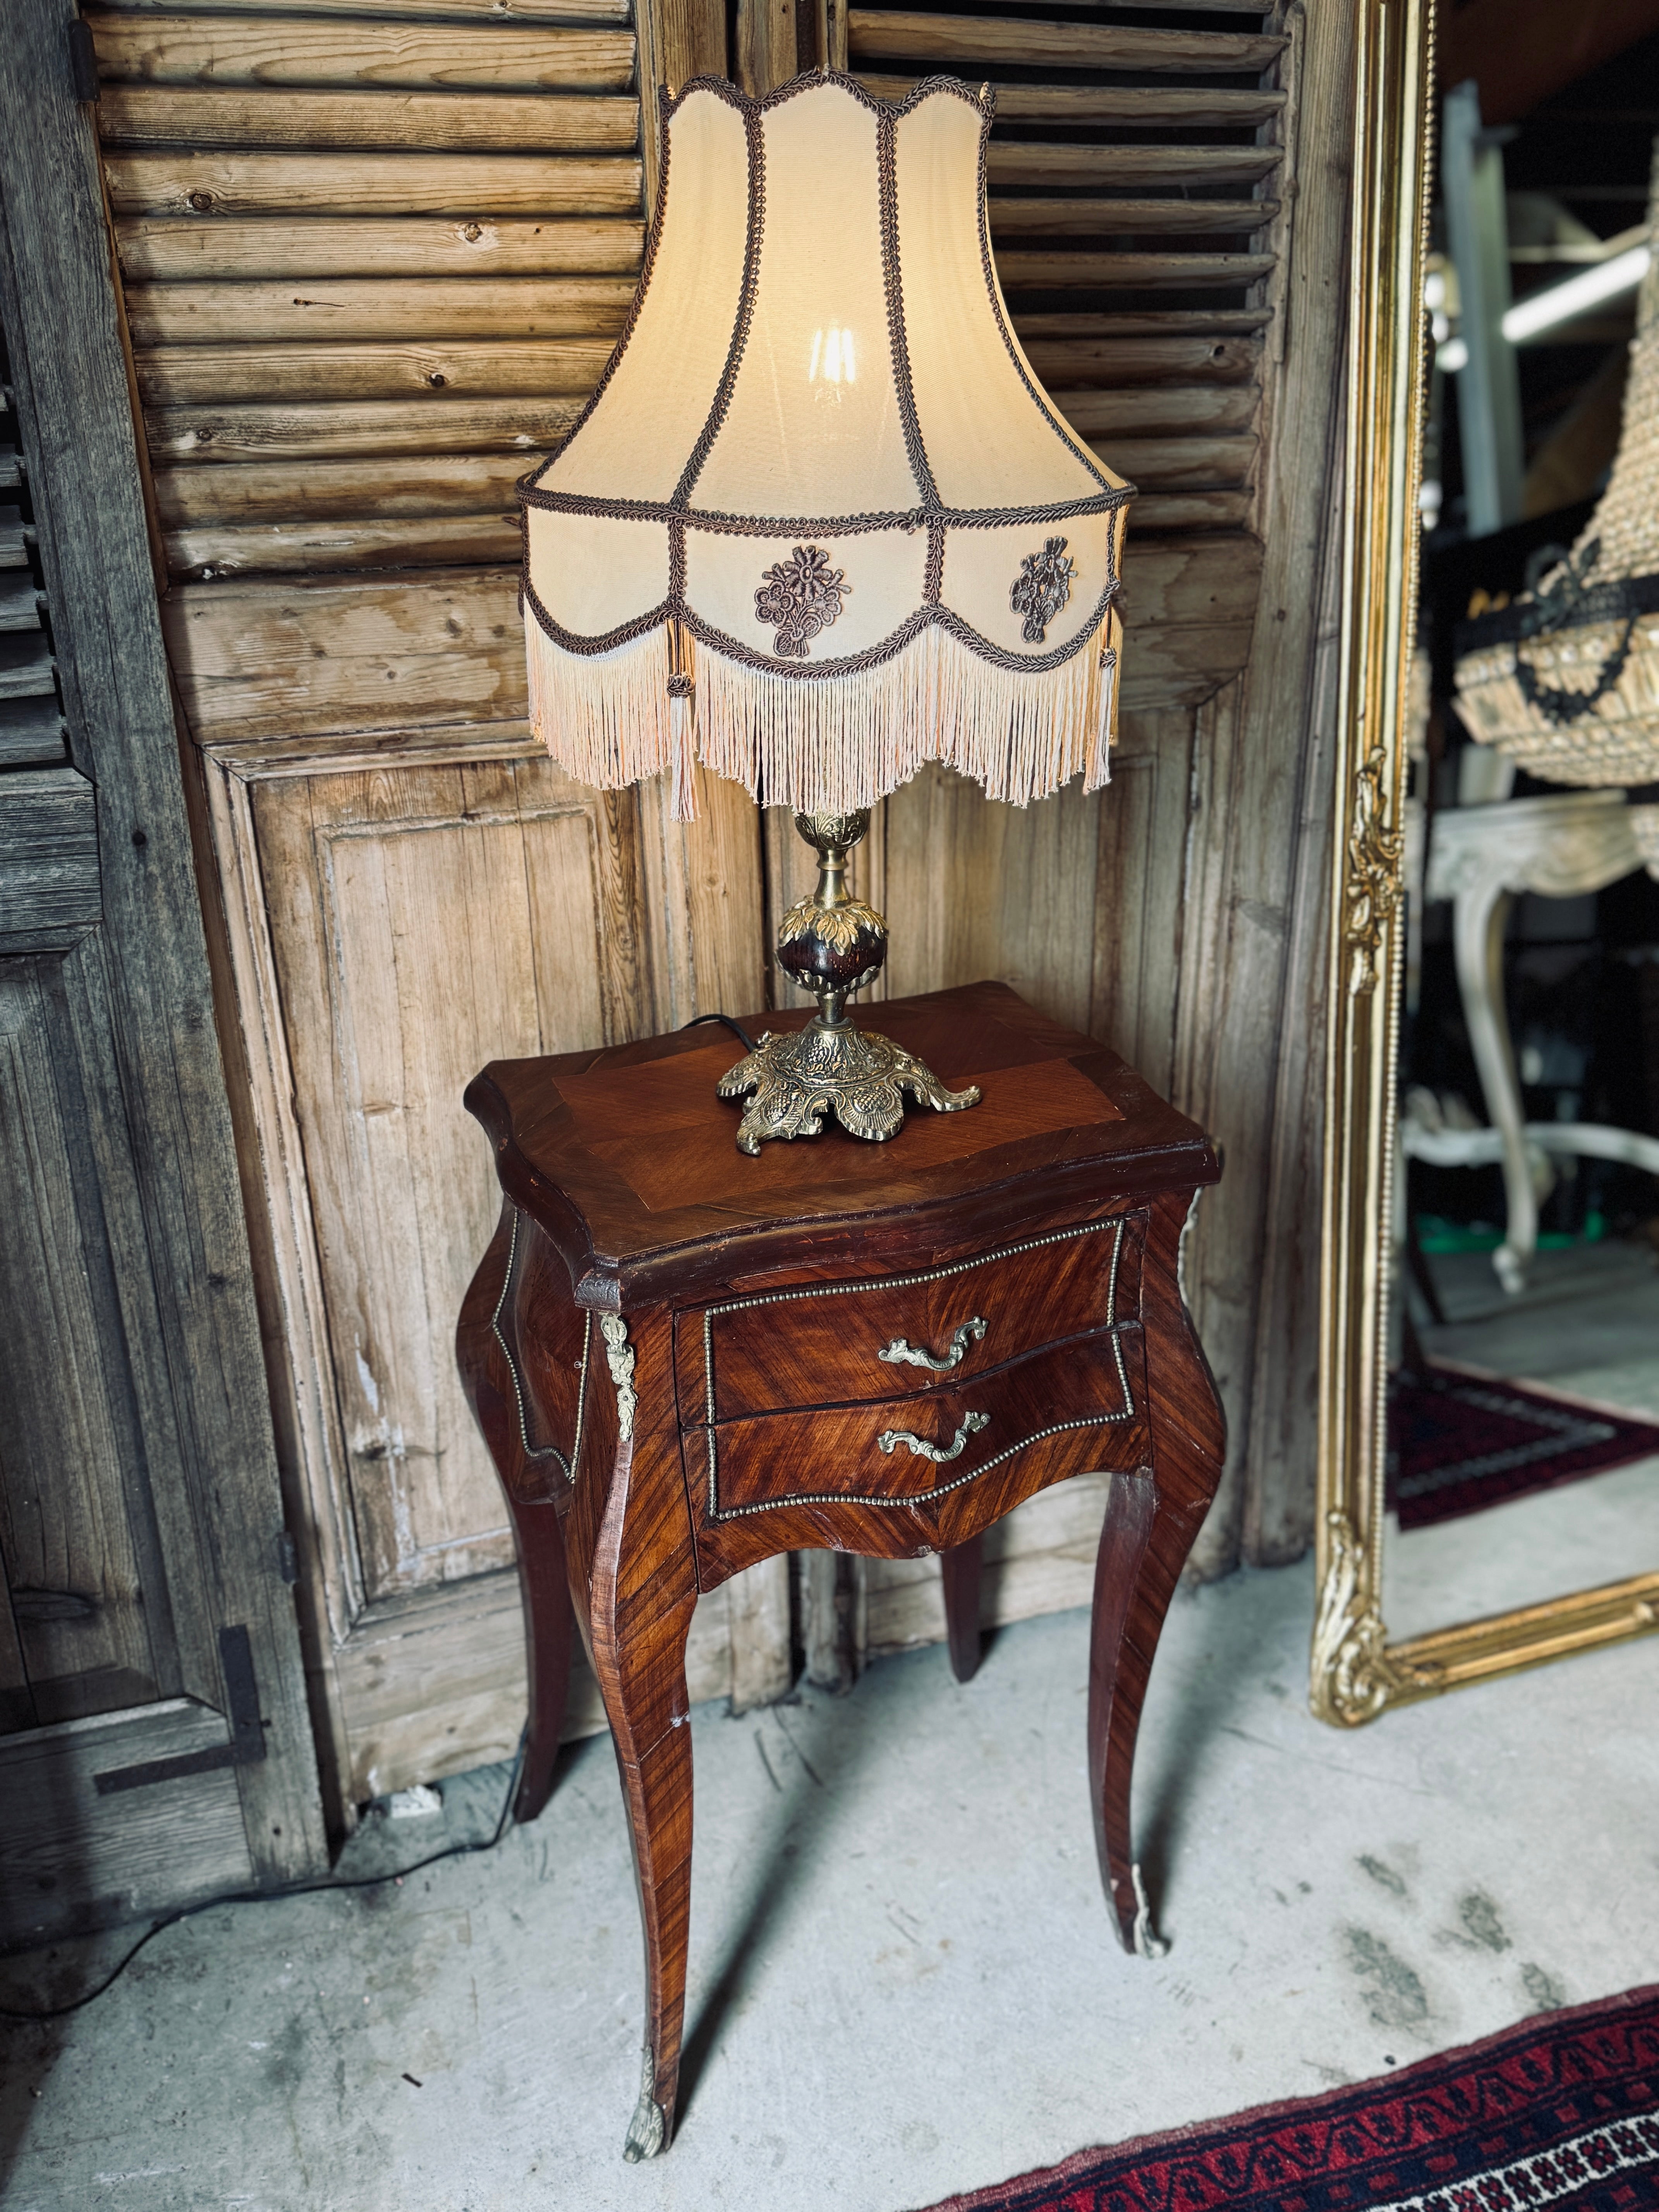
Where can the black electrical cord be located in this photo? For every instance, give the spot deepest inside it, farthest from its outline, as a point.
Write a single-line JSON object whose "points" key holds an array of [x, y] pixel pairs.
{"points": [[295, 1889], [736, 1027]]}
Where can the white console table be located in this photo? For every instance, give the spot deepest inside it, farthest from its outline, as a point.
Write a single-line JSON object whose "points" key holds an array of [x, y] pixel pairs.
{"points": [[1482, 858]]}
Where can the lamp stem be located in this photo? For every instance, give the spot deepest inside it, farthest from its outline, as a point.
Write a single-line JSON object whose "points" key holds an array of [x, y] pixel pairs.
{"points": [[831, 945]]}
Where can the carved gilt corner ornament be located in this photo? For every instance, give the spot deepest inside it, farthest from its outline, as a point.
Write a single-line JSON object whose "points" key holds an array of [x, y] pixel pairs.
{"points": [[619, 1358], [1375, 851], [1353, 1677]]}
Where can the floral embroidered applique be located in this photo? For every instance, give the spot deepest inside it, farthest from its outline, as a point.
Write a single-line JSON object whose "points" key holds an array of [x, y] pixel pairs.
{"points": [[1041, 588], [800, 596]]}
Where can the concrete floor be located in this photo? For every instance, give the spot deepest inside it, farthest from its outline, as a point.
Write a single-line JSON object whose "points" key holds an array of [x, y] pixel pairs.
{"points": [[1588, 1323], [902, 1982]]}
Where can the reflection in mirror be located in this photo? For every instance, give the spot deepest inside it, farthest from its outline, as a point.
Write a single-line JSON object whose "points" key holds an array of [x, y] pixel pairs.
{"points": [[1522, 1460], [1489, 1393]]}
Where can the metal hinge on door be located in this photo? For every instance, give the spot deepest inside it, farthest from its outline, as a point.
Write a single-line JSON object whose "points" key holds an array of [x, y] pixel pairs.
{"points": [[246, 1746]]}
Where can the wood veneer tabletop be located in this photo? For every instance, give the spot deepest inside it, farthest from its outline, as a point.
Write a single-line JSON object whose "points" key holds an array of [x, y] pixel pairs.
{"points": [[629, 1160]]}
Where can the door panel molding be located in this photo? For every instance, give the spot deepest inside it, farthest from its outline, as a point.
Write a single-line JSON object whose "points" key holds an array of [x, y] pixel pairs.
{"points": [[58, 308]]}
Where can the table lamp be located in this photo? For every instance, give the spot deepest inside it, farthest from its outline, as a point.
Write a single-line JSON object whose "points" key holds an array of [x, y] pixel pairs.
{"points": [[819, 524]]}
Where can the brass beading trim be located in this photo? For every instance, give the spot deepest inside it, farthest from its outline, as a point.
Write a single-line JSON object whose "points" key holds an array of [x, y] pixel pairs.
{"points": [[567, 1466], [716, 1512]]}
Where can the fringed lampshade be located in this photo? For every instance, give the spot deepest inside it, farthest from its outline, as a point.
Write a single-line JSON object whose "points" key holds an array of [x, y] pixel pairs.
{"points": [[819, 523]]}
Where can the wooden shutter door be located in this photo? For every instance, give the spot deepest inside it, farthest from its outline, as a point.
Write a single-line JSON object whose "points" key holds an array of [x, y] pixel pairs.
{"points": [[155, 1742], [373, 254]]}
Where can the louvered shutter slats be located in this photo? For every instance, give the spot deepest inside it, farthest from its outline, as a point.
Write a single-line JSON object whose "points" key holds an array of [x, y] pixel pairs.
{"points": [[373, 261], [295, 185]]}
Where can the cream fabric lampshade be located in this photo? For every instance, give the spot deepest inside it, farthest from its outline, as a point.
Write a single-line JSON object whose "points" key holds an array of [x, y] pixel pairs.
{"points": [[820, 523]]}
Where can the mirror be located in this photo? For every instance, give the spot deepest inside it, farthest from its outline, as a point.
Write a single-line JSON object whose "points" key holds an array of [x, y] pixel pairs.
{"points": [[1489, 1424]]}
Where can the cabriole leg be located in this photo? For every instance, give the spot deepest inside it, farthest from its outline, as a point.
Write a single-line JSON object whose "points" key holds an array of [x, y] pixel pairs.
{"points": [[644, 1592], [1128, 1610], [960, 1566], [532, 1489]]}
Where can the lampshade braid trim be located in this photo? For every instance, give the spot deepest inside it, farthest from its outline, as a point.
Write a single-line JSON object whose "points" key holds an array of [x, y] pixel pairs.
{"points": [[931, 513], [675, 609], [834, 525]]}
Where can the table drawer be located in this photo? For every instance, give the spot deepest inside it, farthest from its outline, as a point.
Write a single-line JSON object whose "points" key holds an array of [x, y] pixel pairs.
{"points": [[888, 1336], [911, 1450]]}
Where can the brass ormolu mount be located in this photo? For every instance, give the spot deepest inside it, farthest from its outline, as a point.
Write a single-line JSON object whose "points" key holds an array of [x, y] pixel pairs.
{"points": [[832, 944]]}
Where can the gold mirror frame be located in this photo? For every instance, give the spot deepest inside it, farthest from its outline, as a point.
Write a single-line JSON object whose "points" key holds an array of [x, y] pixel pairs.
{"points": [[1355, 1672]]}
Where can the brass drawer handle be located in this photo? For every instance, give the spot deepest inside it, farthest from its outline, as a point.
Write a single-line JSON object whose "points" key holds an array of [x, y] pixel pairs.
{"points": [[901, 1352], [971, 1426]]}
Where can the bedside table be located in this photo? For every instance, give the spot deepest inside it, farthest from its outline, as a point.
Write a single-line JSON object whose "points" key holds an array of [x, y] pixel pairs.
{"points": [[684, 1361]]}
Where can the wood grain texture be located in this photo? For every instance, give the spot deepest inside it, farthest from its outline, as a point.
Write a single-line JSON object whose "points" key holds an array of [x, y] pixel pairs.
{"points": [[355, 866], [164, 1123], [198, 117], [356, 309], [49, 874], [1140, 106], [31, 733], [1113, 363], [1015, 162], [479, 485], [1143, 322], [257, 660], [1027, 269], [77, 1535], [435, 369], [1189, 1441], [620, 1237], [1132, 1394], [1206, 510], [1041, 1559], [300, 549], [361, 53], [1196, 414], [534, 1481], [138, 1852], [168, 249], [1033, 44], [487, 12], [213, 187], [429, 1678], [212, 435], [1262, 790], [1090, 218]]}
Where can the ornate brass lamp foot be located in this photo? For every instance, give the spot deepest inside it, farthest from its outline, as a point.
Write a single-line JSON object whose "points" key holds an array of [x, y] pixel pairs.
{"points": [[832, 944]]}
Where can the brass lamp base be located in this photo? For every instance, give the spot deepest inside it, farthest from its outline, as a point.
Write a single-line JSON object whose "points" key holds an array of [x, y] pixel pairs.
{"points": [[832, 944], [858, 1077]]}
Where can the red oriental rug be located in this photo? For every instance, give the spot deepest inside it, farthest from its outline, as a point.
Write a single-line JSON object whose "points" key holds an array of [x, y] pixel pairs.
{"points": [[1560, 2114], [1460, 1440]]}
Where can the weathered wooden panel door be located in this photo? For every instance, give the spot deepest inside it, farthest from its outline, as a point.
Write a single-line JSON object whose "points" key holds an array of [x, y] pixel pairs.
{"points": [[154, 1741], [373, 260]]}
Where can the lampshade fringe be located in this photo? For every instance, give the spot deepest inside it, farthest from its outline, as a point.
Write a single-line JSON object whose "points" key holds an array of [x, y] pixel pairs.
{"points": [[603, 718], [824, 747]]}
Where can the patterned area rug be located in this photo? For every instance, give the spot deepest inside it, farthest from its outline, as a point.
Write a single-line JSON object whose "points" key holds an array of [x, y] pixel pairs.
{"points": [[1460, 1440], [1560, 2114]]}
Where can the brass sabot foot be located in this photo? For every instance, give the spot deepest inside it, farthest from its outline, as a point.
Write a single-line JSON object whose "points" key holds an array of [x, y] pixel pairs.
{"points": [[853, 1074], [648, 2131]]}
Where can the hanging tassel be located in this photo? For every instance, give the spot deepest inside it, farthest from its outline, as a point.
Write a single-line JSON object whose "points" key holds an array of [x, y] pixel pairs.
{"points": [[1100, 767], [682, 721]]}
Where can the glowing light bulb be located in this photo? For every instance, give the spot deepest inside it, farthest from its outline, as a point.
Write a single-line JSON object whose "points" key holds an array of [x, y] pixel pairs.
{"points": [[834, 357]]}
